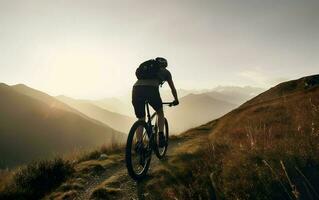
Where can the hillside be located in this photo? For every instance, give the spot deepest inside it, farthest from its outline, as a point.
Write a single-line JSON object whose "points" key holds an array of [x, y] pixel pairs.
{"points": [[264, 149], [206, 104], [290, 105], [31, 129], [194, 110], [41, 96], [49, 100], [117, 121], [114, 105]]}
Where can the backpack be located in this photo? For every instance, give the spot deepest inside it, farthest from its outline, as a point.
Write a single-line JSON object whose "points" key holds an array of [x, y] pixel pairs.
{"points": [[148, 70]]}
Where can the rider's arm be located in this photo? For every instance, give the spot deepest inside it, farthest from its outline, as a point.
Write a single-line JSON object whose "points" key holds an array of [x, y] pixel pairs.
{"points": [[173, 89]]}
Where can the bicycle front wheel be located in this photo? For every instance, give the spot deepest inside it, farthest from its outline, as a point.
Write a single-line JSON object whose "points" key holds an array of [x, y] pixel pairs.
{"points": [[138, 151]]}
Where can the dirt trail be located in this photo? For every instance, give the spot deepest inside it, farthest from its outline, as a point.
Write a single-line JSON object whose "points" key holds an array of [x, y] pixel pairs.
{"points": [[119, 182], [108, 178]]}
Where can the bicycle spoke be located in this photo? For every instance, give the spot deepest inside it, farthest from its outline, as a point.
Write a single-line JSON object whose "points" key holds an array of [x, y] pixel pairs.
{"points": [[138, 158]]}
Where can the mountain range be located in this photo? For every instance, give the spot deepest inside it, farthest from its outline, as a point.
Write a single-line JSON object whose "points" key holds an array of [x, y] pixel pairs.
{"points": [[266, 148], [31, 128], [194, 110], [196, 107], [117, 121], [31, 119]]}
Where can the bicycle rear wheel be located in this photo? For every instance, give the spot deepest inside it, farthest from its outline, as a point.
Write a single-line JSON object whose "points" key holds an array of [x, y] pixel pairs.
{"points": [[161, 151], [138, 159]]}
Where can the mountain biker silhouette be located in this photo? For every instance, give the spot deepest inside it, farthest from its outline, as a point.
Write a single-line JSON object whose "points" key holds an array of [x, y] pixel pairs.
{"points": [[147, 89]]}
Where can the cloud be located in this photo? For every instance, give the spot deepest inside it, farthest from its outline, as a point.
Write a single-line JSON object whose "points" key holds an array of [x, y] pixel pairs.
{"points": [[257, 76], [261, 78]]}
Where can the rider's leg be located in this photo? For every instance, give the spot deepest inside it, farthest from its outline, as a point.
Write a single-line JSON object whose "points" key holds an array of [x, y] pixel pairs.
{"points": [[138, 101], [139, 131], [160, 120]]}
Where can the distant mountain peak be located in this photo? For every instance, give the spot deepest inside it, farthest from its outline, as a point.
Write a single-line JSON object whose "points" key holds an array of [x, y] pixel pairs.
{"points": [[3, 85], [287, 88], [20, 85]]}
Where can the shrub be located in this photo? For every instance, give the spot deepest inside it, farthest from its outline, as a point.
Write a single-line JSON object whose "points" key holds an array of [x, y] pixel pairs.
{"points": [[37, 178]]}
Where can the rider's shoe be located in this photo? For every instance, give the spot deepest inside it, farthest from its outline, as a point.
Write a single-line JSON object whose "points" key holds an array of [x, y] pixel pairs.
{"points": [[162, 141]]}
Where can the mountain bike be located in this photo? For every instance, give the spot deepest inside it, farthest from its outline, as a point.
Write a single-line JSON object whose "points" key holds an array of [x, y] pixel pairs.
{"points": [[138, 154]]}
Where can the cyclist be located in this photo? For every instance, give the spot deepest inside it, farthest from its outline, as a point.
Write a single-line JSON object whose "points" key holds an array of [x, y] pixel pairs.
{"points": [[148, 90]]}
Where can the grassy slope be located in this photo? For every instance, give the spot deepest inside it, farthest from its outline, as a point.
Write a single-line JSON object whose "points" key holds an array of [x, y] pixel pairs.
{"points": [[114, 181], [266, 149], [30, 129], [262, 150], [59, 178]]}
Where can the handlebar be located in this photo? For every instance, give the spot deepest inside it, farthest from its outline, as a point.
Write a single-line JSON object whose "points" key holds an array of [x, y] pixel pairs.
{"points": [[170, 104]]}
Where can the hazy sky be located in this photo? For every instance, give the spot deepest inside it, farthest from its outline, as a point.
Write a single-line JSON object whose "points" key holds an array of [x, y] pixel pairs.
{"points": [[90, 49]]}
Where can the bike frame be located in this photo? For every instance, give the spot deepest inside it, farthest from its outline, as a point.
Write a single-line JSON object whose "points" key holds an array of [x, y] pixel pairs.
{"points": [[149, 117], [145, 155]]}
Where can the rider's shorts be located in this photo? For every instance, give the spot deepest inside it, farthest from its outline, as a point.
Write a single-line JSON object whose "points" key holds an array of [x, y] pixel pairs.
{"points": [[140, 94]]}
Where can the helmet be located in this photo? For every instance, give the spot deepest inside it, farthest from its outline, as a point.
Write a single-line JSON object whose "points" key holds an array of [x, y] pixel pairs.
{"points": [[161, 61]]}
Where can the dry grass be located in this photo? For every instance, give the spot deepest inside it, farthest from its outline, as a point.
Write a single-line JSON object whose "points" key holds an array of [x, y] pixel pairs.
{"points": [[264, 150], [279, 134], [6, 177], [79, 154], [35, 179]]}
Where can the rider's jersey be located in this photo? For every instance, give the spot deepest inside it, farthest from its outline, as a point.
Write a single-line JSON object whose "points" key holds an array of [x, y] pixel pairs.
{"points": [[163, 74]]}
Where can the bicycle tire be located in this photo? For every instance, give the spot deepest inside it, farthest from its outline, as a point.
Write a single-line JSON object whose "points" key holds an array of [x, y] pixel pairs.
{"points": [[128, 152], [161, 155]]}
